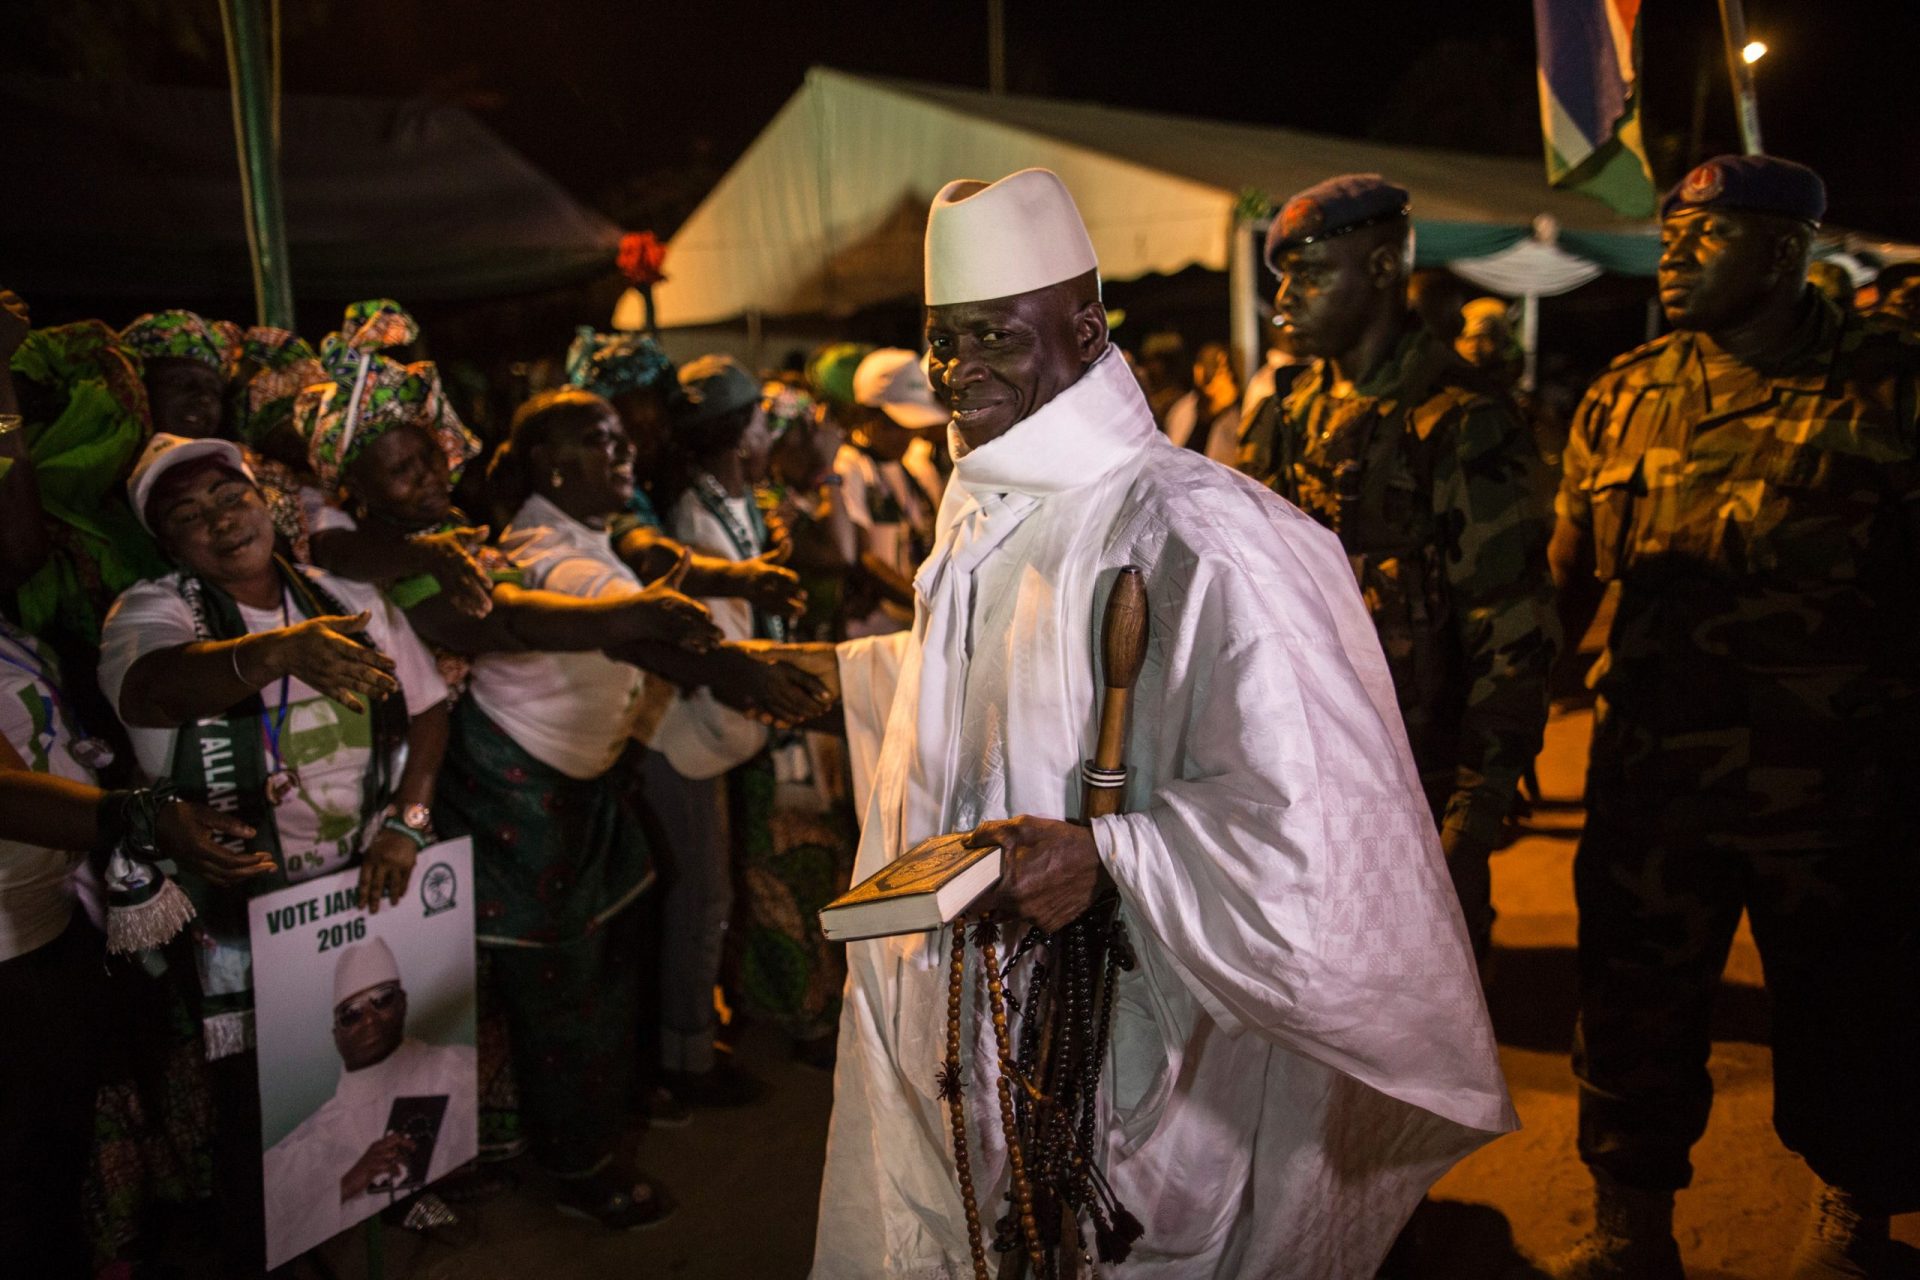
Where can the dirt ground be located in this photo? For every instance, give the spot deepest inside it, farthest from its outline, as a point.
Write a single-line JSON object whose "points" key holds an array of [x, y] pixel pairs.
{"points": [[747, 1180]]}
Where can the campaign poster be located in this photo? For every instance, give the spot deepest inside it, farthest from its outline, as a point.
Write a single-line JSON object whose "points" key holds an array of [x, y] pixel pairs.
{"points": [[365, 1023]]}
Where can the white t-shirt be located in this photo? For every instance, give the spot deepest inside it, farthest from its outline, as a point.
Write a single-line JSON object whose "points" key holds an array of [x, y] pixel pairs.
{"points": [[325, 747], [571, 711], [35, 900]]}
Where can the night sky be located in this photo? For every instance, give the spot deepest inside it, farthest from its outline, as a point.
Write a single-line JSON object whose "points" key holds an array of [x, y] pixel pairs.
{"points": [[638, 107]]}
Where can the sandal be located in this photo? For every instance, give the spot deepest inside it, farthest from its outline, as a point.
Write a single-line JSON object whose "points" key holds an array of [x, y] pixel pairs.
{"points": [[611, 1201]]}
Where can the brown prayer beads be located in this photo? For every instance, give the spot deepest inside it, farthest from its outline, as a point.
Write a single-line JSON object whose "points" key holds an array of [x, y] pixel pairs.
{"points": [[952, 1090]]}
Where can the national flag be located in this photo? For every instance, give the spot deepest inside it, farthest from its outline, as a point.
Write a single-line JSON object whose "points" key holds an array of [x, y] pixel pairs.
{"points": [[1589, 68]]}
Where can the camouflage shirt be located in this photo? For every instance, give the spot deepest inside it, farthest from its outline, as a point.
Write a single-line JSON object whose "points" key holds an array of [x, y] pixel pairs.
{"points": [[1435, 487], [1762, 525]]}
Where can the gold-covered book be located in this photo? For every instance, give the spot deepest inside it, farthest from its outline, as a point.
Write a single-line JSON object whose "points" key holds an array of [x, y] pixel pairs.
{"points": [[923, 888]]}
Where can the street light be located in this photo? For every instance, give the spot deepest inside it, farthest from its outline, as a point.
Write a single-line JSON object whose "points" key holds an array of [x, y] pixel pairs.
{"points": [[1754, 51]]}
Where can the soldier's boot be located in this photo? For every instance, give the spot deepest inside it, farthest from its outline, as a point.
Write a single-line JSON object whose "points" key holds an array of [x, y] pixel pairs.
{"points": [[1632, 1237], [1842, 1241]]}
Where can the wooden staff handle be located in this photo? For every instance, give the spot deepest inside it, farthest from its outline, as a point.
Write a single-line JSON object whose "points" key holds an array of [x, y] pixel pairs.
{"points": [[1123, 651]]}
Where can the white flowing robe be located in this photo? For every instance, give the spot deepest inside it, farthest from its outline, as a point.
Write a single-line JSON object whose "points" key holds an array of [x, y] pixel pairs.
{"points": [[302, 1171], [1303, 1047]]}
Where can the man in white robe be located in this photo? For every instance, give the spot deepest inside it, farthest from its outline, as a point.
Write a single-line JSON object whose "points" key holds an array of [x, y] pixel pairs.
{"points": [[1303, 1046], [342, 1163]]}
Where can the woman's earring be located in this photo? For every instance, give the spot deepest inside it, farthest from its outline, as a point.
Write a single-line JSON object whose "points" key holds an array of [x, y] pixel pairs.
{"points": [[556, 479]]}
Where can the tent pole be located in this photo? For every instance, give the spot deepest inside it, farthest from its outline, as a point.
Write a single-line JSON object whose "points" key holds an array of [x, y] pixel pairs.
{"points": [[1733, 29], [258, 139], [1243, 311], [1530, 341]]}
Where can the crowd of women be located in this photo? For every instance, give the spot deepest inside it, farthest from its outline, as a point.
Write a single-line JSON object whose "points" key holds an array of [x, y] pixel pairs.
{"points": [[269, 610]]}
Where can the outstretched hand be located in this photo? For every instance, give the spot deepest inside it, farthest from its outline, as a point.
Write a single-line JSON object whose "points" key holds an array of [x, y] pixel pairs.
{"points": [[449, 558], [319, 653], [770, 689], [663, 613], [1050, 870], [769, 586]]}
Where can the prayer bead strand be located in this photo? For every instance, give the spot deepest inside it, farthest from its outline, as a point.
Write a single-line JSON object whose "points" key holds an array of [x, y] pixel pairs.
{"points": [[956, 1099], [1016, 1158]]}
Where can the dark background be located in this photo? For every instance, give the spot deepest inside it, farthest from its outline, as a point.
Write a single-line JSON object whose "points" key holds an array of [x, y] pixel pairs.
{"points": [[638, 107]]}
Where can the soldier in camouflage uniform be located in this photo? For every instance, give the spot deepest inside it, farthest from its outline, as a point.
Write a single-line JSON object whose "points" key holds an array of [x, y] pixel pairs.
{"points": [[1751, 482], [1426, 471]]}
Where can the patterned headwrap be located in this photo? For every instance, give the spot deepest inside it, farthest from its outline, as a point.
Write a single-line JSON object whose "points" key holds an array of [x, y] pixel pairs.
{"points": [[788, 406], [266, 370], [175, 335], [610, 363], [365, 394]]}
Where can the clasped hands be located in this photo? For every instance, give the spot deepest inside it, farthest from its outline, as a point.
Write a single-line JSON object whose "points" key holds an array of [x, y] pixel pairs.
{"points": [[1050, 870]]}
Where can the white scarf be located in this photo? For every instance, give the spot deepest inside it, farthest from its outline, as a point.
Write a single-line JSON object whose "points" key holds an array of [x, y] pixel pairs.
{"points": [[1071, 451]]}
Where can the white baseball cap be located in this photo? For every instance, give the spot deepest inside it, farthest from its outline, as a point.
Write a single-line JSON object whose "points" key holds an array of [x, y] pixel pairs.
{"points": [[165, 452], [363, 967], [894, 381], [993, 240]]}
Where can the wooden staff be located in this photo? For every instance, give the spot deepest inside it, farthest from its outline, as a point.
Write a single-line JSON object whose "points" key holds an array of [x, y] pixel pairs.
{"points": [[1123, 651]]}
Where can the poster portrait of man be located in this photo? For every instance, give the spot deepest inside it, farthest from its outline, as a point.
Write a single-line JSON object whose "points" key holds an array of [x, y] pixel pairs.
{"points": [[368, 1077]]}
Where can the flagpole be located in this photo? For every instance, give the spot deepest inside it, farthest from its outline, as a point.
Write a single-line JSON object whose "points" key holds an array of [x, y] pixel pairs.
{"points": [[248, 24], [1733, 29]]}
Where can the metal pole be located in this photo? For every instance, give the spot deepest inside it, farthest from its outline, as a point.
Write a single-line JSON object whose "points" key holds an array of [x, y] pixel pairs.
{"points": [[1733, 30], [1243, 308], [255, 116], [1530, 341], [996, 46], [1697, 126]]}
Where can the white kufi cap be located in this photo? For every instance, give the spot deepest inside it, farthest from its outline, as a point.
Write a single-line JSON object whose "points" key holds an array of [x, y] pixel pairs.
{"points": [[363, 967], [993, 240]]}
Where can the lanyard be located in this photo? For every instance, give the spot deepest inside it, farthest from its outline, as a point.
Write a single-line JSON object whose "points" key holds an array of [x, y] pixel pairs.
{"points": [[747, 543], [273, 727]]}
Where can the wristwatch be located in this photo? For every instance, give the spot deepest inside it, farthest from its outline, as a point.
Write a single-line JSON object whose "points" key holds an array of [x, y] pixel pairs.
{"points": [[414, 821], [10, 422]]}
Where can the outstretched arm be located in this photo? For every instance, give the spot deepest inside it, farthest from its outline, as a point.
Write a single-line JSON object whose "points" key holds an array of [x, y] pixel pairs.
{"points": [[370, 554], [168, 687], [55, 813], [764, 581]]}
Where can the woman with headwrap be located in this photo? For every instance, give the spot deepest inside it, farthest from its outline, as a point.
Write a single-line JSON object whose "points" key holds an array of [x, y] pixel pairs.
{"points": [[73, 415], [633, 374], [302, 699], [364, 395], [183, 361]]}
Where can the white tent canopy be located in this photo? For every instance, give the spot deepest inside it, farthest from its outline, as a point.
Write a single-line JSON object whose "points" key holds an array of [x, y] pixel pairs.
{"points": [[825, 211]]}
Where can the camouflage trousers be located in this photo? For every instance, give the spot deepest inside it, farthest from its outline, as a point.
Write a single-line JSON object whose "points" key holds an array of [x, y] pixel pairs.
{"points": [[1835, 925]]}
